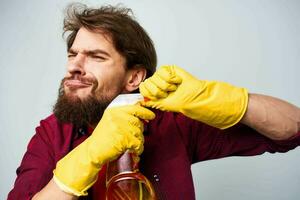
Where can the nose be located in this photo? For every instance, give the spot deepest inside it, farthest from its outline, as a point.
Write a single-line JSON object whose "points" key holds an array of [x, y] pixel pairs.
{"points": [[76, 65]]}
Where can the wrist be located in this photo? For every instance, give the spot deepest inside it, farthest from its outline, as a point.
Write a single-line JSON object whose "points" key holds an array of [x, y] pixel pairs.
{"points": [[67, 189]]}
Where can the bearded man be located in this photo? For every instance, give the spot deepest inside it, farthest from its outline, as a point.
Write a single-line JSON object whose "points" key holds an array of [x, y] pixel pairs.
{"points": [[189, 120]]}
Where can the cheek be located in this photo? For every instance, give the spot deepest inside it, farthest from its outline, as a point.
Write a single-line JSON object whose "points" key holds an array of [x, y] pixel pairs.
{"points": [[111, 84]]}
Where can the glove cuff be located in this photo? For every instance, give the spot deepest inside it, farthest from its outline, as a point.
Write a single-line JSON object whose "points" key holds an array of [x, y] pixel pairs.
{"points": [[243, 108], [67, 189]]}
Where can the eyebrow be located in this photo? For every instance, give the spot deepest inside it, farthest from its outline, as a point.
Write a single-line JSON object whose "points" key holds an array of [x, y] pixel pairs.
{"points": [[90, 52]]}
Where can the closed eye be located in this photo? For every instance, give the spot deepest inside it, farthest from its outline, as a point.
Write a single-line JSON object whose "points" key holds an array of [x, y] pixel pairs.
{"points": [[100, 58], [71, 55]]}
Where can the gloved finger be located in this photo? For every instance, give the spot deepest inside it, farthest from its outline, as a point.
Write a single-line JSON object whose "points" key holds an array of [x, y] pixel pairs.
{"points": [[136, 133], [154, 104], [145, 92], [127, 137], [139, 150], [168, 73], [139, 111], [132, 120], [162, 84], [155, 92], [135, 145], [131, 133]]}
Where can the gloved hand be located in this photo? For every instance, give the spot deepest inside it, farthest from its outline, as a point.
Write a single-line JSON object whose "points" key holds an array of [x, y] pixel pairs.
{"points": [[215, 103], [120, 129]]}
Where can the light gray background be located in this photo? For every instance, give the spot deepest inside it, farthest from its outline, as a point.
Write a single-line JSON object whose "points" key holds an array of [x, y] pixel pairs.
{"points": [[253, 43]]}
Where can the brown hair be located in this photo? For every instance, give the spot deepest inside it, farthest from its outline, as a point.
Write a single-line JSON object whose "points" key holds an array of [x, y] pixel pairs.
{"points": [[128, 37]]}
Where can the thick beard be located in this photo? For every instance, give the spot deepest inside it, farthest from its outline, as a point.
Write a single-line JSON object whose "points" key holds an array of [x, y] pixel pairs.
{"points": [[86, 112]]}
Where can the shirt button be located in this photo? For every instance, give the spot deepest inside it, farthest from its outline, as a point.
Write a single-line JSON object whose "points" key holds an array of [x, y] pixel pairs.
{"points": [[81, 131], [156, 178]]}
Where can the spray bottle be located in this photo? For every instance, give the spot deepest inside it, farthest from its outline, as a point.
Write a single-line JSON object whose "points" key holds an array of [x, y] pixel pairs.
{"points": [[124, 181]]}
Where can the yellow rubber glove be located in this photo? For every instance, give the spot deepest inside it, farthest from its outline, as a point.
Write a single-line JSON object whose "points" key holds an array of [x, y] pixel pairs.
{"points": [[120, 129], [215, 103]]}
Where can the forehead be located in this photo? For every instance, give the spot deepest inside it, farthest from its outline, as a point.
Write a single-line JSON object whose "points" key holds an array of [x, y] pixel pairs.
{"points": [[91, 40]]}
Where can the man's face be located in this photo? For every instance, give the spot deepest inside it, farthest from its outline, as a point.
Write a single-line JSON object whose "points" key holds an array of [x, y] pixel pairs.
{"points": [[95, 75], [94, 67]]}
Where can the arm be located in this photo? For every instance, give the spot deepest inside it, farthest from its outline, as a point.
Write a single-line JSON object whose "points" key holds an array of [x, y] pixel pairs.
{"points": [[36, 167], [209, 143], [272, 117], [77, 171], [204, 142], [120, 129], [35, 170], [52, 191], [219, 104], [217, 108]]}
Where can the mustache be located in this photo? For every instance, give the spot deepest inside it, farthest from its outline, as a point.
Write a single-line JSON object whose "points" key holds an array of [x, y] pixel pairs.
{"points": [[85, 80]]}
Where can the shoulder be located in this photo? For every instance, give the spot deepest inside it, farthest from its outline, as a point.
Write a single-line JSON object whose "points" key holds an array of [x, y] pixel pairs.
{"points": [[51, 128], [51, 122]]}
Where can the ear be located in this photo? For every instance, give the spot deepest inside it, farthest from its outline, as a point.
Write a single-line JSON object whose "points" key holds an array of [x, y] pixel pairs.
{"points": [[133, 79]]}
